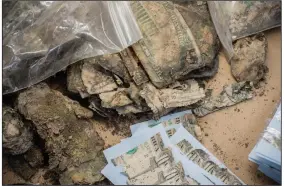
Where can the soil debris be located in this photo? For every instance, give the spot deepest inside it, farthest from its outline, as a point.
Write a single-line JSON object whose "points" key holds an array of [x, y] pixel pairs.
{"points": [[34, 157], [45, 176], [84, 173], [248, 63], [21, 166], [17, 135], [56, 118]]}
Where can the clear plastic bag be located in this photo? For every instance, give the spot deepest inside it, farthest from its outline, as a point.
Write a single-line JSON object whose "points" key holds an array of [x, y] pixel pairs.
{"points": [[238, 19], [41, 38]]}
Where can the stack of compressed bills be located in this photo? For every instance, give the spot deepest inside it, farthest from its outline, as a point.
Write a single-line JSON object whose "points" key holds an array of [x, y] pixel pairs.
{"points": [[164, 152], [267, 152]]}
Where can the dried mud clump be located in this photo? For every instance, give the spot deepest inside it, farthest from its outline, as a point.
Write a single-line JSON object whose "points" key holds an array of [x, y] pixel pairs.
{"points": [[28, 164], [34, 157], [177, 95], [17, 136], [21, 167], [70, 138], [248, 63]]}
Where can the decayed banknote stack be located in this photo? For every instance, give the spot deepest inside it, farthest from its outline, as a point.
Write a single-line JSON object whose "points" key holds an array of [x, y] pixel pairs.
{"points": [[157, 73], [165, 152]]}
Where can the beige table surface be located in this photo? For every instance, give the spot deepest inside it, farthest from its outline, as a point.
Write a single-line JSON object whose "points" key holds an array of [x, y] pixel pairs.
{"points": [[231, 134]]}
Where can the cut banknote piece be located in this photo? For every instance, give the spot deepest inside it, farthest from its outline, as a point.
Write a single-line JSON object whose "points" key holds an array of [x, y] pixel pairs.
{"points": [[139, 155], [130, 148], [162, 101], [171, 122], [231, 95], [166, 173], [149, 146], [183, 158], [146, 149], [192, 170], [196, 152]]}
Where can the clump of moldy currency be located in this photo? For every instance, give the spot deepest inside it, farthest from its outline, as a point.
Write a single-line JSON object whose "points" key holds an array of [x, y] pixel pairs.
{"points": [[17, 135], [162, 101], [250, 17], [128, 98], [177, 39], [198, 19], [231, 95], [143, 77], [70, 138], [248, 63], [34, 157]]}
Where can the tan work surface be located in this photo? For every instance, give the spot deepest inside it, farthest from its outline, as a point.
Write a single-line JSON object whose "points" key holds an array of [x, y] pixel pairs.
{"points": [[234, 131]]}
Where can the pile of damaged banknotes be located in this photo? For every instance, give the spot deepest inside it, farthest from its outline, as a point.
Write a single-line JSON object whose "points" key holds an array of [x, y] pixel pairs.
{"points": [[267, 152], [164, 152]]}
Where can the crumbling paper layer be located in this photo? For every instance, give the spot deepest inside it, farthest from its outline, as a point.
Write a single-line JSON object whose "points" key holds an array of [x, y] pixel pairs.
{"points": [[231, 95]]}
